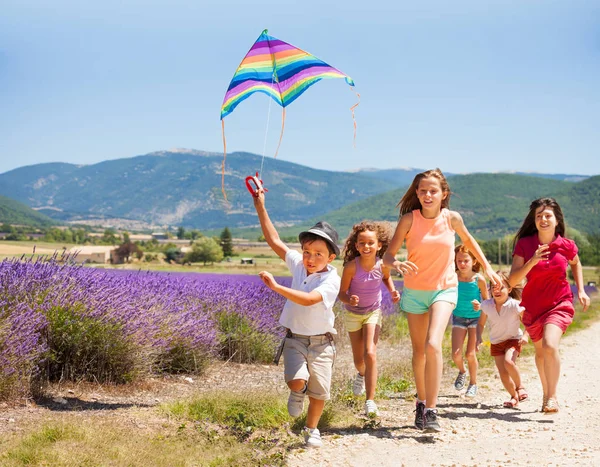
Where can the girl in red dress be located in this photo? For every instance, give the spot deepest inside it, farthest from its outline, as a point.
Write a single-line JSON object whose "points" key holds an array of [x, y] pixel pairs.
{"points": [[542, 254]]}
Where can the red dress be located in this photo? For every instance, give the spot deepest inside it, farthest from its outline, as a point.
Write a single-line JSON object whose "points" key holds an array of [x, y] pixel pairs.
{"points": [[547, 296]]}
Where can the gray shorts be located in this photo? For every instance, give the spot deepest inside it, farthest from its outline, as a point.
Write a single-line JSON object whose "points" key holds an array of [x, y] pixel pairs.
{"points": [[310, 358], [465, 323]]}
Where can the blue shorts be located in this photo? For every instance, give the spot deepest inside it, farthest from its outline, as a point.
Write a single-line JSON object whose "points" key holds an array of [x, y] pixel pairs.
{"points": [[419, 301], [465, 323]]}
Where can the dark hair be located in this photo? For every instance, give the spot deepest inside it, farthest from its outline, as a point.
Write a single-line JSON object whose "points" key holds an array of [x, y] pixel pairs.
{"points": [[516, 291], [382, 229], [310, 237], [528, 227], [410, 201], [463, 249]]}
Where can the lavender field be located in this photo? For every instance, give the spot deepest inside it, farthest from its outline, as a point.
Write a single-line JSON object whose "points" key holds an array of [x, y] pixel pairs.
{"points": [[60, 321]]}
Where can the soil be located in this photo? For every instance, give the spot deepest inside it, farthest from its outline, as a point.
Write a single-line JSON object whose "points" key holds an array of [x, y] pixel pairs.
{"points": [[476, 431], [480, 431]]}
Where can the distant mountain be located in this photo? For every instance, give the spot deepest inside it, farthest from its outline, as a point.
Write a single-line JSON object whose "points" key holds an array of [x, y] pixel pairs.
{"points": [[184, 188], [15, 213], [404, 176], [492, 205]]}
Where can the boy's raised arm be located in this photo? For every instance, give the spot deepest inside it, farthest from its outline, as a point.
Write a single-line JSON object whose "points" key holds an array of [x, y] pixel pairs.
{"points": [[268, 229]]}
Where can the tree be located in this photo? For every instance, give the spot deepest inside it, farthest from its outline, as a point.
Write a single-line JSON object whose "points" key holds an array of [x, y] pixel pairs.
{"points": [[205, 250], [180, 233], [226, 242], [127, 250]]}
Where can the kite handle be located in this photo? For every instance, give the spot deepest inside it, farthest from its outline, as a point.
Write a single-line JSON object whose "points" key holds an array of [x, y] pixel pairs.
{"points": [[257, 182]]}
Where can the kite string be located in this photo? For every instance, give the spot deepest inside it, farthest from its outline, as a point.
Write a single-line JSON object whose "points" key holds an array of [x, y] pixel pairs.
{"points": [[262, 161]]}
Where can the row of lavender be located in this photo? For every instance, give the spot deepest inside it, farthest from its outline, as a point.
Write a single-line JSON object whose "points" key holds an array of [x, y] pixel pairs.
{"points": [[63, 321]]}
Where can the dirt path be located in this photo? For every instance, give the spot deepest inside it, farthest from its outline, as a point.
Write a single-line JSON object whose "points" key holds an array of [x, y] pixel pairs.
{"points": [[480, 431]]}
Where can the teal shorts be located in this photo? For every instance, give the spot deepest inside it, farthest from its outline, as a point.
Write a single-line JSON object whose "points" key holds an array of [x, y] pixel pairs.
{"points": [[419, 301]]}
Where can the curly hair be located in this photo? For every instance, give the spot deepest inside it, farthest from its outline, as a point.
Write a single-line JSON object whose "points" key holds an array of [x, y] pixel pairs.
{"points": [[384, 235], [463, 249]]}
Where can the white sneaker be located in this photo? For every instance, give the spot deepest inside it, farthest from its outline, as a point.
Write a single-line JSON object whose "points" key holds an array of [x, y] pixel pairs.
{"points": [[312, 437], [296, 403], [358, 387], [371, 409], [471, 390]]}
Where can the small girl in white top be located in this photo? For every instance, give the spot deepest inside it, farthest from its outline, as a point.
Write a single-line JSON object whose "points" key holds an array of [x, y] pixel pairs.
{"points": [[503, 314]]}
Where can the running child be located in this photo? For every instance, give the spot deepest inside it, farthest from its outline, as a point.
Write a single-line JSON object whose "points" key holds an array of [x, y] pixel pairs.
{"points": [[309, 350], [471, 288], [503, 313], [360, 291], [541, 254], [430, 282]]}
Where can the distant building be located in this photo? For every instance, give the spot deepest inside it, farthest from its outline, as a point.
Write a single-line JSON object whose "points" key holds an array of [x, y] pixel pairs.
{"points": [[100, 254], [247, 261], [159, 236]]}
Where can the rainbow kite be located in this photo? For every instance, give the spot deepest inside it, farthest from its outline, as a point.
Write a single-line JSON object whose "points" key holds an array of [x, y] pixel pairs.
{"points": [[280, 71]]}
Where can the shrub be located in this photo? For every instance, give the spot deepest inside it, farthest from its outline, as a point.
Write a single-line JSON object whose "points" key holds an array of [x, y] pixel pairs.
{"points": [[81, 347]]}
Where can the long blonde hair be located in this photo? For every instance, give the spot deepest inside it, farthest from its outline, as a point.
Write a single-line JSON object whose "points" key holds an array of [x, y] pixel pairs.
{"points": [[410, 201]]}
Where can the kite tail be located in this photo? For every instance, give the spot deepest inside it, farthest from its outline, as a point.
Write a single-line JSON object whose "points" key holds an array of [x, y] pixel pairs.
{"points": [[223, 163], [282, 127], [352, 110]]}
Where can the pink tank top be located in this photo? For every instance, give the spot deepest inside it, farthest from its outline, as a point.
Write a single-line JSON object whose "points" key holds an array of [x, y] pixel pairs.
{"points": [[430, 245], [367, 285]]}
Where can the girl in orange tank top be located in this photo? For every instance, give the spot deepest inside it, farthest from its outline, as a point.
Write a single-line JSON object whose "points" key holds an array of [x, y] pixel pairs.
{"points": [[430, 282]]}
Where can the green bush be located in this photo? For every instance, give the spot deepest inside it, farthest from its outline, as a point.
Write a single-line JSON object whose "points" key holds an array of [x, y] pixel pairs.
{"points": [[241, 342], [84, 348], [182, 358]]}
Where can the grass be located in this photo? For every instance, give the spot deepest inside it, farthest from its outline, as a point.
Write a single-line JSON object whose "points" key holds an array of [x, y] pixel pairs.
{"points": [[101, 443]]}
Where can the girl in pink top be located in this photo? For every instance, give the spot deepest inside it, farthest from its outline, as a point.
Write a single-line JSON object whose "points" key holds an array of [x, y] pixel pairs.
{"points": [[542, 254], [360, 291], [430, 281]]}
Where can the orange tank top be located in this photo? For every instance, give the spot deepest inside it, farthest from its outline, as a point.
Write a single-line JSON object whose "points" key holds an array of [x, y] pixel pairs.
{"points": [[430, 245]]}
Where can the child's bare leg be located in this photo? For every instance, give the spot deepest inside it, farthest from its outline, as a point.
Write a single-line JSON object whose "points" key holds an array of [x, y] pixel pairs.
{"points": [[539, 363], [510, 363], [315, 410], [371, 336], [550, 341], [417, 327], [440, 312], [458, 340], [472, 355], [507, 381], [358, 350]]}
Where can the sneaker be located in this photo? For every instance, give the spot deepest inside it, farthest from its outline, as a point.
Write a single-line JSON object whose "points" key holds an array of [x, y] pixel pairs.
{"points": [[312, 437], [431, 422], [358, 387], [420, 415], [471, 390], [371, 410], [296, 403], [459, 382]]}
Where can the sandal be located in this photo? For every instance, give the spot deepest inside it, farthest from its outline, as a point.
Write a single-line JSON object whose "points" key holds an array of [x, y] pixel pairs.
{"points": [[522, 394], [551, 405], [512, 403], [544, 403]]}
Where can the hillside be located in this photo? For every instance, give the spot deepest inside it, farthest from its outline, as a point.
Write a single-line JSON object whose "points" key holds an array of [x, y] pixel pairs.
{"points": [[492, 205], [16, 213], [184, 188]]}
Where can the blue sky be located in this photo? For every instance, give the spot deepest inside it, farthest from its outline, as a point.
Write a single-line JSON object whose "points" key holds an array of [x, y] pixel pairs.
{"points": [[465, 86]]}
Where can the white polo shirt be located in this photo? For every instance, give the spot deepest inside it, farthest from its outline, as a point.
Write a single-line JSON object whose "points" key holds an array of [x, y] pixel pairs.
{"points": [[503, 325], [317, 318]]}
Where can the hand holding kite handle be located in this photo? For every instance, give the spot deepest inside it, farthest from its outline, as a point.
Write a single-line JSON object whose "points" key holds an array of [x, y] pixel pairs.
{"points": [[257, 182]]}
